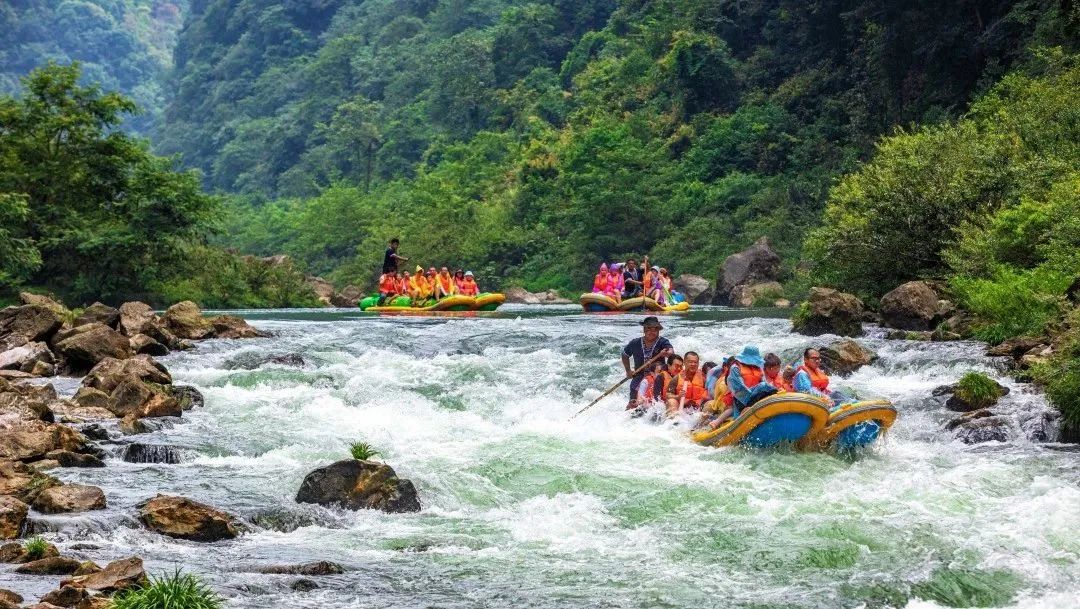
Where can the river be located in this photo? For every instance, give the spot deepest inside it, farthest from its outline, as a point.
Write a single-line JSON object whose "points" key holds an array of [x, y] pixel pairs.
{"points": [[525, 508]]}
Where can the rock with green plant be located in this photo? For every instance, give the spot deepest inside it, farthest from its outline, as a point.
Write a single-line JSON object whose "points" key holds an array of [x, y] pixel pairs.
{"points": [[178, 589], [19, 480], [974, 391], [828, 311], [358, 484]]}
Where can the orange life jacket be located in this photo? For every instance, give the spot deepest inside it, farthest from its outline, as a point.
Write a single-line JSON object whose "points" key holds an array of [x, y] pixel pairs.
{"points": [[469, 287], [818, 379], [600, 283], [779, 382], [694, 389], [446, 283], [403, 286], [388, 284]]}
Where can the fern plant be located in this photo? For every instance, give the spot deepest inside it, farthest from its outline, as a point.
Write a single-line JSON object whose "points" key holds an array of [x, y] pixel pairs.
{"points": [[176, 591], [362, 451]]}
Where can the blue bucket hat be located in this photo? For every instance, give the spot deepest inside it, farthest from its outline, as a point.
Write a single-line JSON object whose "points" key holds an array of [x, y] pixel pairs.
{"points": [[751, 355]]}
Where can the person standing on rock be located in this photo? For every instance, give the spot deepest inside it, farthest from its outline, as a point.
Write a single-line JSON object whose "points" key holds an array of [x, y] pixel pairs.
{"points": [[391, 258], [642, 350]]}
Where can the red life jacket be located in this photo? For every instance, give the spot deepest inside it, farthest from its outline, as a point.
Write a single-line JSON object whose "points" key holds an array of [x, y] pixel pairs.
{"points": [[818, 379], [469, 287], [694, 389], [388, 284]]}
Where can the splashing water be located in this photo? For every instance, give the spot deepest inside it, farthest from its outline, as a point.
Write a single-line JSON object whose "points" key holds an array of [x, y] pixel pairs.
{"points": [[525, 508]]}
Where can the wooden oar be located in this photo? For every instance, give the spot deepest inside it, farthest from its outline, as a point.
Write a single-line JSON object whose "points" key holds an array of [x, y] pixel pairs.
{"points": [[620, 383]]}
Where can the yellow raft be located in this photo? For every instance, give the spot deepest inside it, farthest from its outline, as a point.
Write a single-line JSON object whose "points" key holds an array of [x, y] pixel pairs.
{"points": [[483, 302], [855, 425], [598, 303], [783, 418]]}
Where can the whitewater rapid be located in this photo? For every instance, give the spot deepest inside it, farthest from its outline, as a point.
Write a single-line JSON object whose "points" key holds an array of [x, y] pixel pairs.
{"points": [[523, 507]]}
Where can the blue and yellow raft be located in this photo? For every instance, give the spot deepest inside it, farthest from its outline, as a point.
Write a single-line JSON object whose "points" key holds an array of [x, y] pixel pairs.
{"points": [[599, 303], [855, 425], [784, 418]]}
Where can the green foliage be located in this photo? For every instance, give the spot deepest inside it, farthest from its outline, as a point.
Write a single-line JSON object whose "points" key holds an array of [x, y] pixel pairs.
{"points": [[362, 451], [35, 547], [176, 591], [1012, 303], [801, 315], [977, 389], [18, 256], [1061, 376]]}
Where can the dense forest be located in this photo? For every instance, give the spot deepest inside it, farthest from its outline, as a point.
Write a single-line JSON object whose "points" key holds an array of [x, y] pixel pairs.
{"points": [[531, 140], [122, 45]]}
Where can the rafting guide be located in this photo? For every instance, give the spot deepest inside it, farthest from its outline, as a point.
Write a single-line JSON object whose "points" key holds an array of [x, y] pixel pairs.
{"points": [[649, 347]]}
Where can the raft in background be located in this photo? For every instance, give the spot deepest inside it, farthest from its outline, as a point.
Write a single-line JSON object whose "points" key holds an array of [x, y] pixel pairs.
{"points": [[783, 418], [599, 303], [403, 304], [853, 426]]}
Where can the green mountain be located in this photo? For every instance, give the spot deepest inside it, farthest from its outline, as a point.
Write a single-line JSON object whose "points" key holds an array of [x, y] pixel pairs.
{"points": [[123, 45]]}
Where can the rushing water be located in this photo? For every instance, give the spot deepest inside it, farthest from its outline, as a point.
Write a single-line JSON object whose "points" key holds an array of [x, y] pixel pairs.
{"points": [[525, 508]]}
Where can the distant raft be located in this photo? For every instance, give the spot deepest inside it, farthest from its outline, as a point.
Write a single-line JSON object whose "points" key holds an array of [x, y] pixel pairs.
{"points": [[403, 304], [599, 303], [783, 418], [853, 426]]}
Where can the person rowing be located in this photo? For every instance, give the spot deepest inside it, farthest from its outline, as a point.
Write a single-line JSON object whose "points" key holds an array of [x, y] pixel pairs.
{"points": [[644, 349]]}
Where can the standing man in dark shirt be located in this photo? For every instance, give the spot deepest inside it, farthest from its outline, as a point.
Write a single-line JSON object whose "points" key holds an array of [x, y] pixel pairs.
{"points": [[642, 350], [390, 260], [632, 280]]}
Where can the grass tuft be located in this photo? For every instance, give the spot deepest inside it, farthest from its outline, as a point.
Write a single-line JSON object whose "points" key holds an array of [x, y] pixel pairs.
{"points": [[176, 591], [35, 547], [977, 389], [362, 451]]}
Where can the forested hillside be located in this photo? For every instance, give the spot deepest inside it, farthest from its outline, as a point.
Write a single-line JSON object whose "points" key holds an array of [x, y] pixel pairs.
{"points": [[123, 45], [531, 140]]}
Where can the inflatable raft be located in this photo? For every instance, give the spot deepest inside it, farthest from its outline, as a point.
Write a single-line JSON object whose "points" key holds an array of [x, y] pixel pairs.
{"points": [[403, 304], [855, 425], [598, 303], [783, 418]]}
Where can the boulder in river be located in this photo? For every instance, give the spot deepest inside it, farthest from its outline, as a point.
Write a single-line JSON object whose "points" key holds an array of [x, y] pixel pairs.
{"points": [[19, 480], [322, 567], [108, 374], [911, 306], [66, 458], [183, 518], [27, 402], [151, 453], [65, 596], [748, 295], [827, 311], [230, 326], [845, 356], [117, 575], [83, 347], [70, 498], [142, 399], [348, 297], [143, 344], [185, 320], [324, 290], [188, 396], [8, 596], [756, 264], [30, 440], [26, 357], [135, 317], [973, 392], [695, 287], [984, 429], [27, 324], [100, 313], [359, 485], [12, 517], [53, 565]]}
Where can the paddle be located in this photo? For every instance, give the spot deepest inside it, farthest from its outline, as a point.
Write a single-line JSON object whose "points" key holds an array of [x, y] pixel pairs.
{"points": [[619, 384]]}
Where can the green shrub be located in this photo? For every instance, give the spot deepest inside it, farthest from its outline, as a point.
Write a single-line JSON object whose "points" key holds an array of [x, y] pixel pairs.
{"points": [[362, 451], [176, 591], [977, 389], [1012, 303], [767, 298], [35, 547], [801, 314]]}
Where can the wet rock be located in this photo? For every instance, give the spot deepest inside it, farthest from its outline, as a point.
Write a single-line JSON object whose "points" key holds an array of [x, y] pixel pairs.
{"points": [[1038, 355], [90, 398], [117, 575], [845, 356], [151, 453], [26, 356], [12, 517], [94, 343], [142, 399], [53, 565], [143, 344], [348, 297], [96, 432], [747, 295], [984, 429], [188, 397], [70, 498], [695, 287], [10, 597], [27, 402], [322, 567], [229, 326], [108, 374], [966, 417], [942, 335], [292, 359], [911, 306], [183, 518], [131, 425], [66, 596], [66, 458], [98, 313], [959, 403], [754, 265], [304, 585], [1014, 347], [45, 301], [29, 440], [324, 290], [86, 567], [185, 320], [27, 324], [356, 485], [827, 311], [908, 335], [22, 482], [135, 317]]}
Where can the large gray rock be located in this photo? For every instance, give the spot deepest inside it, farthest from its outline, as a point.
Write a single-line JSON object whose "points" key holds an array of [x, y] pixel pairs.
{"points": [[27, 324], [984, 429], [145, 345], [183, 518], [911, 306], [109, 373], [827, 311], [135, 317], [519, 295], [99, 313], [27, 402], [90, 344], [359, 485], [324, 290], [845, 356], [695, 287], [185, 320], [348, 297], [26, 356], [756, 264]]}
